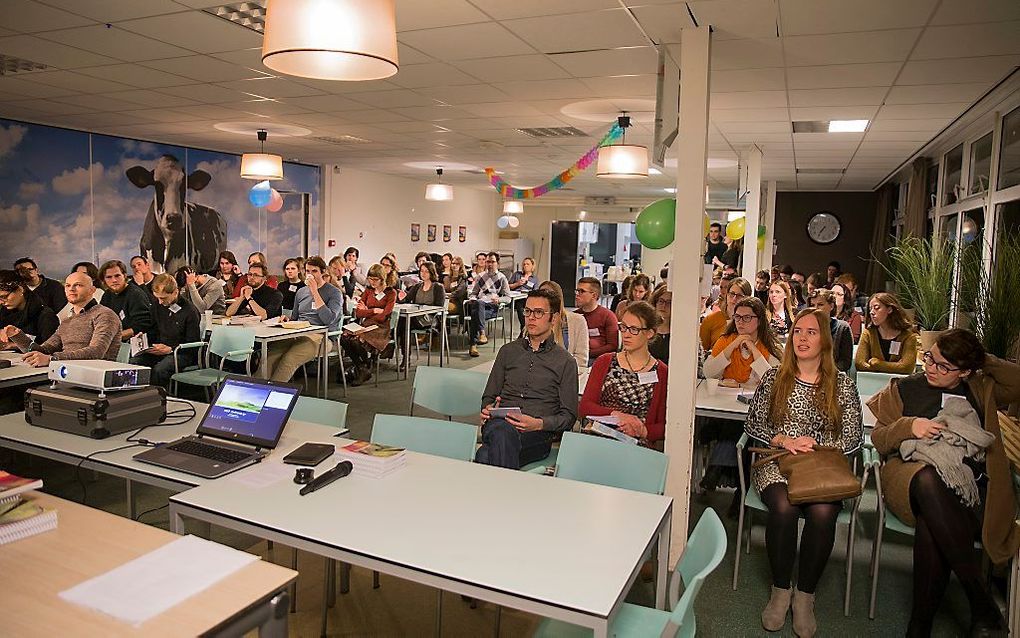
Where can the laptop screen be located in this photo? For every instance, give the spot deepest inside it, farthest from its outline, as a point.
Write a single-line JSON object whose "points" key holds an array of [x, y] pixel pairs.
{"points": [[250, 411]]}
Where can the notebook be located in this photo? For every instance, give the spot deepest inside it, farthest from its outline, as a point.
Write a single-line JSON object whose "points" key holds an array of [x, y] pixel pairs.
{"points": [[243, 423], [23, 519]]}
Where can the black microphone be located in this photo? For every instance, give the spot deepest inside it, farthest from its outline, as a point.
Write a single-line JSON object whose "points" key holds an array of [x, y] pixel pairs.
{"points": [[342, 469]]}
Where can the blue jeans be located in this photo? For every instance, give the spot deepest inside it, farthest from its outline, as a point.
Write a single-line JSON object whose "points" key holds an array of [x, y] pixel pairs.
{"points": [[480, 312], [504, 446]]}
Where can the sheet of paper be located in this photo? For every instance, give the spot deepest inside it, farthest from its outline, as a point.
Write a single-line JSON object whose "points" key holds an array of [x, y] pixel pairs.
{"points": [[151, 584], [275, 321], [263, 475], [609, 419]]}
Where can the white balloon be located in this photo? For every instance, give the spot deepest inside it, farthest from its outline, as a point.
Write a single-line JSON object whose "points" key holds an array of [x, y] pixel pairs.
{"points": [[514, 222], [503, 221]]}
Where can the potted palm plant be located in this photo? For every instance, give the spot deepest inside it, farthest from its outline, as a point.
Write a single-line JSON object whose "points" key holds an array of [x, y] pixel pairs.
{"points": [[996, 320], [922, 271]]}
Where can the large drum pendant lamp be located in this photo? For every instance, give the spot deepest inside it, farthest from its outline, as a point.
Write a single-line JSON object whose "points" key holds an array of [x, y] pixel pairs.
{"points": [[622, 161], [331, 39]]}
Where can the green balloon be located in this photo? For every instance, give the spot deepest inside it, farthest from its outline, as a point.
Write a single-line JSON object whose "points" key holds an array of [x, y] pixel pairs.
{"points": [[654, 226]]}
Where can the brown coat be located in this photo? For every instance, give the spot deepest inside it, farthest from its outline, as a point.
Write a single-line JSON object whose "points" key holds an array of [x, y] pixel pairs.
{"points": [[997, 384]]}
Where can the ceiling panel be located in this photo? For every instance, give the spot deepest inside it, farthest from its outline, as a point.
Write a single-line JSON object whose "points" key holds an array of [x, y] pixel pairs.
{"points": [[207, 93], [842, 75], [806, 17], [936, 93], [812, 113], [743, 54], [73, 82], [195, 30], [25, 88], [28, 16], [993, 38], [512, 67], [627, 61], [960, 70], [502, 10], [466, 42], [730, 19], [908, 111], [415, 14], [204, 69], [973, 12], [884, 123], [751, 115], [748, 80], [151, 98], [413, 76], [115, 43], [272, 88], [749, 99], [623, 86], [50, 53], [134, 75], [114, 10], [838, 97], [469, 94], [850, 48], [578, 31]]}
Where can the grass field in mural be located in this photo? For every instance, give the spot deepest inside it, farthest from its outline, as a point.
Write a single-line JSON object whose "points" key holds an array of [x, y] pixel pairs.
{"points": [[176, 205]]}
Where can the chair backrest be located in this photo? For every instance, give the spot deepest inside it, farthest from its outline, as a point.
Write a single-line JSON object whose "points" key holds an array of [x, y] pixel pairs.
{"points": [[705, 550], [869, 383], [226, 339], [428, 436], [594, 459], [124, 354], [448, 391], [321, 411]]}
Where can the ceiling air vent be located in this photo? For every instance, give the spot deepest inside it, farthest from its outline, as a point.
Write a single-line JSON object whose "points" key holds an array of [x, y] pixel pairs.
{"points": [[549, 132], [250, 15], [821, 171], [811, 127], [343, 140], [9, 65]]}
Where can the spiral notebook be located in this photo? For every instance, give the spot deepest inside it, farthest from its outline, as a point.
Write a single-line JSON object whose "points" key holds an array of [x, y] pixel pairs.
{"points": [[23, 519]]}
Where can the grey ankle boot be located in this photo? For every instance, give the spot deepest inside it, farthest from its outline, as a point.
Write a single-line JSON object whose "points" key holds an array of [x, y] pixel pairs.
{"points": [[804, 624], [773, 617]]}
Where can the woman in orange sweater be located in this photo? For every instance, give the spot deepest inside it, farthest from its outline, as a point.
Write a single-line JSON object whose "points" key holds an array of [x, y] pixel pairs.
{"points": [[373, 309], [713, 326], [747, 348]]}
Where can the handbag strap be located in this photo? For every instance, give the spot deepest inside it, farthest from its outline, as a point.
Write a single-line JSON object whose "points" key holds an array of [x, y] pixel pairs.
{"points": [[767, 455]]}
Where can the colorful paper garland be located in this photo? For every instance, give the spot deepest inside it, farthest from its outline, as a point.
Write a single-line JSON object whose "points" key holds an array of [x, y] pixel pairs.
{"points": [[510, 192]]}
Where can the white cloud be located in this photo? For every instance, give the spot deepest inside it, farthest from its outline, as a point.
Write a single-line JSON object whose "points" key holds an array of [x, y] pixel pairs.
{"points": [[31, 190], [10, 137], [144, 149], [76, 181]]}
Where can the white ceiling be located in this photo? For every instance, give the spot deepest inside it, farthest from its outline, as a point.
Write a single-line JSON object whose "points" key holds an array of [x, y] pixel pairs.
{"points": [[472, 71]]}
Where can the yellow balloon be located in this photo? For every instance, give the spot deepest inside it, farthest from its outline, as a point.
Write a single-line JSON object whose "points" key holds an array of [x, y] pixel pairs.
{"points": [[735, 229], [761, 243], [707, 224]]}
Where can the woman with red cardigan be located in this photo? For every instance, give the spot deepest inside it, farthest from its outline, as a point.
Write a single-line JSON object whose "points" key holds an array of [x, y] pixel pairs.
{"points": [[373, 309], [630, 384]]}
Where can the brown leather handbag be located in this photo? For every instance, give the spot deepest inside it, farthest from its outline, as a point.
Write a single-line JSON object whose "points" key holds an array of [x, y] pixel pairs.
{"points": [[821, 476]]}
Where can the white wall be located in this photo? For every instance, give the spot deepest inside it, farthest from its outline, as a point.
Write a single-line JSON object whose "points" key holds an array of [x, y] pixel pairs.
{"points": [[374, 212]]}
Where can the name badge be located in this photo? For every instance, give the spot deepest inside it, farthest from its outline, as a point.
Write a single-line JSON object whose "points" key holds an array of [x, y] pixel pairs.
{"points": [[293, 288], [859, 309], [894, 347], [593, 332], [380, 296], [122, 315], [644, 378], [174, 308]]}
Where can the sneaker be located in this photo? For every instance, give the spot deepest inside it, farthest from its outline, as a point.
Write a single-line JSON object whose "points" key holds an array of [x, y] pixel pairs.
{"points": [[473, 351], [482, 339]]}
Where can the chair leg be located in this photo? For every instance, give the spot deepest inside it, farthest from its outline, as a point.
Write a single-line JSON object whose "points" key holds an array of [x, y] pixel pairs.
{"points": [[439, 612], [850, 561], [293, 588], [345, 578], [876, 559], [499, 619], [325, 608], [329, 595], [750, 523], [736, 546], [375, 580]]}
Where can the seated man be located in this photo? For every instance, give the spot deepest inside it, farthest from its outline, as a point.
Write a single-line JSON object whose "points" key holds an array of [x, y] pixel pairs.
{"points": [[320, 305], [174, 321], [50, 291], [142, 273], [257, 297], [538, 376], [483, 301], [204, 291], [129, 301], [603, 329], [92, 332], [21, 308]]}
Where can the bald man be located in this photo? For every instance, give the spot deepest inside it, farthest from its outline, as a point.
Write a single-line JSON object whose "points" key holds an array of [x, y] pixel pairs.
{"points": [[91, 332]]}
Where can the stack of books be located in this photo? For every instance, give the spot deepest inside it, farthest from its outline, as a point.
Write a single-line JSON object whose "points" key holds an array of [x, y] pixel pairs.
{"points": [[373, 460], [20, 515]]}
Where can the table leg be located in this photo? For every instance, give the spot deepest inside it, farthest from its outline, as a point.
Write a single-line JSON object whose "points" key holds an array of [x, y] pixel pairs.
{"points": [[407, 346], [176, 522], [130, 493], [275, 626], [443, 340], [264, 364], [1012, 610], [662, 569]]}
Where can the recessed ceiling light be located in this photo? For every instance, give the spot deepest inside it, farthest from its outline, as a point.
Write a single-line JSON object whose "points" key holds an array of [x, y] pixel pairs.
{"points": [[848, 126]]}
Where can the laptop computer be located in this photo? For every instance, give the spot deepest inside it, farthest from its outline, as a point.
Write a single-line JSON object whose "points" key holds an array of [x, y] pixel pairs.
{"points": [[243, 423]]}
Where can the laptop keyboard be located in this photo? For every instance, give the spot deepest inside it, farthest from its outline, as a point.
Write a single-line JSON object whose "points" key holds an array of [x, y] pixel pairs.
{"points": [[212, 452]]}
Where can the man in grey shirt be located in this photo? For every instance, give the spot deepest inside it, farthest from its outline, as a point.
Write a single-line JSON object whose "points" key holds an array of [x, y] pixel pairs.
{"points": [[538, 376], [483, 302], [203, 291]]}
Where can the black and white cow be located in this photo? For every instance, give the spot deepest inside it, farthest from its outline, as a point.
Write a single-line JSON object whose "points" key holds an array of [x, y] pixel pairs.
{"points": [[177, 232]]}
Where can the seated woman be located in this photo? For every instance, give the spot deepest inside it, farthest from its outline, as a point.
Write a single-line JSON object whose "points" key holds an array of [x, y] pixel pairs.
{"points": [[640, 290], [373, 309], [802, 403], [455, 285], [797, 295], [22, 308], [174, 321], [890, 343], [845, 310], [945, 528], [524, 280], [427, 292], [389, 264], [570, 329], [842, 338], [662, 301], [746, 347], [292, 282], [630, 384], [620, 296], [714, 324], [228, 273], [779, 308]]}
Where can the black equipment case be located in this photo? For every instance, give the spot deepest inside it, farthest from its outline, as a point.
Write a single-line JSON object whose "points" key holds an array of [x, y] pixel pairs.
{"points": [[88, 414]]}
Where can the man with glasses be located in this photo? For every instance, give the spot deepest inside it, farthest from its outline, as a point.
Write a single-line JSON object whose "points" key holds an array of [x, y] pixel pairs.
{"points": [[256, 297], [536, 375], [483, 302], [50, 292], [603, 331], [128, 301]]}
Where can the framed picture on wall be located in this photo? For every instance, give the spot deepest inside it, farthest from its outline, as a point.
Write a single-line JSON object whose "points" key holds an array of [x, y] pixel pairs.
{"points": [[462, 234], [447, 232], [431, 233], [415, 232]]}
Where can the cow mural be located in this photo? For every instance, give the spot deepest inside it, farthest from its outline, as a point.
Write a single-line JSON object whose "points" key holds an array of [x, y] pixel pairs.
{"points": [[178, 232]]}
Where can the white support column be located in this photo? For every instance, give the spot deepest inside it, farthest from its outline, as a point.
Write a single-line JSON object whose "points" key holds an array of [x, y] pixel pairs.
{"points": [[752, 215], [695, 56], [765, 256]]}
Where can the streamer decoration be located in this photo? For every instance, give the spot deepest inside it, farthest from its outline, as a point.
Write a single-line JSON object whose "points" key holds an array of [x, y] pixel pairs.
{"points": [[511, 192]]}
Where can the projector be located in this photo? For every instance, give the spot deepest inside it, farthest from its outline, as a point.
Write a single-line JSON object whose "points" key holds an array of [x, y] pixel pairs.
{"points": [[98, 374]]}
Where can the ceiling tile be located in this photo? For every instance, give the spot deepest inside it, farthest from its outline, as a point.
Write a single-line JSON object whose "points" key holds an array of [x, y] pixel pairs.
{"points": [[748, 80], [663, 23], [736, 19], [415, 14], [495, 109], [751, 115], [77, 83], [999, 38], [749, 99], [514, 67], [849, 48], [46, 107], [898, 136], [391, 99], [973, 12], [113, 10], [469, 94], [136, 76], [28, 16], [806, 17], [266, 107], [413, 76], [908, 111], [546, 89], [812, 113], [838, 97], [842, 75], [961, 70], [251, 58], [374, 116], [936, 93], [50, 53], [151, 98], [272, 88], [502, 10], [204, 69], [742, 54], [195, 30], [627, 61], [25, 88], [742, 138], [728, 127], [931, 125], [98, 102], [628, 86], [207, 93], [328, 103], [115, 42], [576, 32], [466, 42]]}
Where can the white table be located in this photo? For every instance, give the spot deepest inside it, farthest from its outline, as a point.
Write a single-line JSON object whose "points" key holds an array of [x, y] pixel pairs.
{"points": [[407, 311], [722, 403], [553, 547], [265, 335], [19, 374]]}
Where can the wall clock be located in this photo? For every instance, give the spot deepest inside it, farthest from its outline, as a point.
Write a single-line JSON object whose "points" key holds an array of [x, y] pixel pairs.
{"points": [[823, 227]]}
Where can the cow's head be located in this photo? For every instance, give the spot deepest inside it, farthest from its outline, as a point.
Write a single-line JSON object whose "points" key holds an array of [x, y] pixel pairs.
{"points": [[167, 178]]}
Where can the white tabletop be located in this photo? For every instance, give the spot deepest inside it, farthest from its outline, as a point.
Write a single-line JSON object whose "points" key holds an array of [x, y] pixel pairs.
{"points": [[416, 308], [19, 373], [722, 403], [563, 542]]}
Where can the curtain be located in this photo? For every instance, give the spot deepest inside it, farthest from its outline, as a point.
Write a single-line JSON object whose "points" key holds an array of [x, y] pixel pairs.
{"points": [[916, 215], [875, 278]]}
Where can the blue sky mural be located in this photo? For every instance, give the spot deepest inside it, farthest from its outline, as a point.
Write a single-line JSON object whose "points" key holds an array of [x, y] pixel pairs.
{"points": [[60, 209]]}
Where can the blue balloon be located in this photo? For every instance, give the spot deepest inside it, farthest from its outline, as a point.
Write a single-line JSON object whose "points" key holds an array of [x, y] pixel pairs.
{"points": [[260, 196]]}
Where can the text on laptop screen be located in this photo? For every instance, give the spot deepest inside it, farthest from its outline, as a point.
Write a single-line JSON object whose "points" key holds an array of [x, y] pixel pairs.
{"points": [[250, 409]]}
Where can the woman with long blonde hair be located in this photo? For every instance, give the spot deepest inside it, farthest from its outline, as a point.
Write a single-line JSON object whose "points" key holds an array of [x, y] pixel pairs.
{"points": [[889, 344], [779, 308], [804, 402]]}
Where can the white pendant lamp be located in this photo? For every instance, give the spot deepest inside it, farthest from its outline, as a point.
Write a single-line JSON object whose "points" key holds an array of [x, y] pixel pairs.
{"points": [[622, 161], [261, 165], [349, 40], [513, 207], [437, 191]]}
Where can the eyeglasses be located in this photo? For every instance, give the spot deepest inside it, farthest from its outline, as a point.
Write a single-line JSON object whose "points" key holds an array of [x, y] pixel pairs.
{"points": [[735, 295], [743, 318], [929, 359], [537, 313], [26, 268], [582, 291], [256, 274], [634, 330], [664, 302]]}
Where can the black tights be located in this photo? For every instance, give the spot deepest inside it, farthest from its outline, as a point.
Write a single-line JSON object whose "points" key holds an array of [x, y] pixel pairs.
{"points": [[943, 542], [781, 538]]}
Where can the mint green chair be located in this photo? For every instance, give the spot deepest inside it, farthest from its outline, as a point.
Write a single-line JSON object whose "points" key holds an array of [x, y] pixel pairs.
{"points": [[124, 354], [705, 550], [594, 459], [427, 436], [448, 391], [869, 383], [321, 411], [228, 343]]}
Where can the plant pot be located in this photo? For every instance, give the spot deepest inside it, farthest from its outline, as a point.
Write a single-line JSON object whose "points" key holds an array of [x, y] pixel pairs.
{"points": [[927, 339]]}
